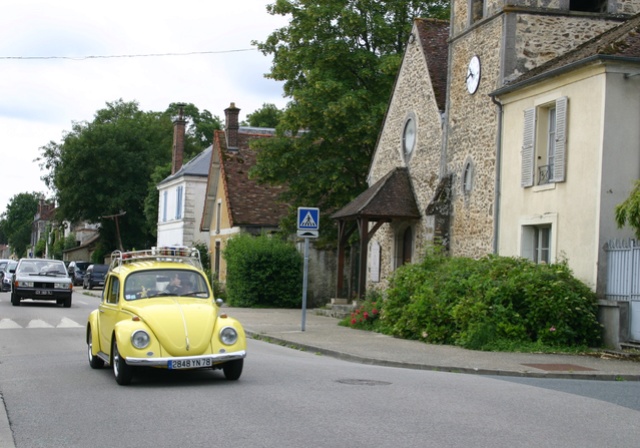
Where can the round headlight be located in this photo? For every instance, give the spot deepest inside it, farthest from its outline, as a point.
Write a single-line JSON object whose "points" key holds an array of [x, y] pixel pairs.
{"points": [[140, 339], [228, 335]]}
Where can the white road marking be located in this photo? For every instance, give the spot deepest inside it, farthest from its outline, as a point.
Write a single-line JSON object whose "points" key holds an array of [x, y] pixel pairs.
{"points": [[8, 323], [65, 322], [38, 323], [68, 323]]}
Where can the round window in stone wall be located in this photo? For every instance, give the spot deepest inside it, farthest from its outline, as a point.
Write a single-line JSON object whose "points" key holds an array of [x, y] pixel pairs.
{"points": [[409, 136], [467, 177]]}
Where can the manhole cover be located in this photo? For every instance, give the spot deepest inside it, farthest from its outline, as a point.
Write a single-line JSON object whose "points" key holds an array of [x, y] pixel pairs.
{"points": [[356, 382], [559, 367]]}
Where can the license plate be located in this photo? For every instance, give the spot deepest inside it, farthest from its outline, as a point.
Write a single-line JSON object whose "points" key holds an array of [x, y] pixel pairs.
{"points": [[189, 363], [43, 292]]}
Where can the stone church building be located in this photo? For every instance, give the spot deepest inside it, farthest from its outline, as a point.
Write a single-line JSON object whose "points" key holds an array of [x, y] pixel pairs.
{"points": [[441, 138]]}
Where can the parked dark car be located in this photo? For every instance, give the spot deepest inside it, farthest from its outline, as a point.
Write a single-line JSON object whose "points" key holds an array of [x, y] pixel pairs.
{"points": [[6, 276], [94, 276], [76, 271]]}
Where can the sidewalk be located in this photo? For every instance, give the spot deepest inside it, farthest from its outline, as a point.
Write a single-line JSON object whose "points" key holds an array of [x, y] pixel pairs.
{"points": [[323, 335]]}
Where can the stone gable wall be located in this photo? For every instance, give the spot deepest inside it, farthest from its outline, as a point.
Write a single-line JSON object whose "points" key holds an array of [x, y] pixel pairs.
{"points": [[413, 95]]}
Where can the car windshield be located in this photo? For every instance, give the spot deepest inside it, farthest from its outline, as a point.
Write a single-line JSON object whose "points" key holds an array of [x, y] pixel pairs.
{"points": [[42, 267], [101, 268], [165, 282]]}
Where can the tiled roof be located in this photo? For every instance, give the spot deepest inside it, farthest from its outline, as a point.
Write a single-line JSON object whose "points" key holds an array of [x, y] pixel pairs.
{"points": [[390, 197], [620, 42], [433, 35], [198, 167], [250, 203]]}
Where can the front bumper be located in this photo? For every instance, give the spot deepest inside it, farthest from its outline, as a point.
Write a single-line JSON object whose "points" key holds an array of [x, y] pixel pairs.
{"points": [[164, 362], [43, 294]]}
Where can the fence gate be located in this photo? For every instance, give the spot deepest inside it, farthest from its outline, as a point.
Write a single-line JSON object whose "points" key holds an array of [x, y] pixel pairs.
{"points": [[623, 279]]}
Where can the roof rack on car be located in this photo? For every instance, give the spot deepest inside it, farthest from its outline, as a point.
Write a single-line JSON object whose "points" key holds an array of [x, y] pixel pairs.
{"points": [[179, 254]]}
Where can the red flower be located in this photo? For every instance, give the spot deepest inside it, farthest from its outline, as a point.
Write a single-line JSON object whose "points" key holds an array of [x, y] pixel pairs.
{"points": [[366, 315], [374, 311], [353, 321]]}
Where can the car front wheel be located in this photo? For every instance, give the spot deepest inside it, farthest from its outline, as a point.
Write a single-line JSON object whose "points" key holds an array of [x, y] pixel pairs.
{"points": [[122, 371], [233, 369], [94, 361]]}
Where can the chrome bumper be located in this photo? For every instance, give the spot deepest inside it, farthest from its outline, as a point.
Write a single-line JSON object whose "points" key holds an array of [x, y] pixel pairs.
{"points": [[164, 362]]}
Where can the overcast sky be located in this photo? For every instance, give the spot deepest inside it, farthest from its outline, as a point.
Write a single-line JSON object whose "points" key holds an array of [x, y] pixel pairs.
{"points": [[48, 78]]}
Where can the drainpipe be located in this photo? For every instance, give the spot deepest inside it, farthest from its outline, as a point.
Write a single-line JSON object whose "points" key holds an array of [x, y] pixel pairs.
{"points": [[496, 201]]}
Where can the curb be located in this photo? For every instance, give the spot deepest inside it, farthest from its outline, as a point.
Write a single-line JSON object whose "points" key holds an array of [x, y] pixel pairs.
{"points": [[466, 370]]}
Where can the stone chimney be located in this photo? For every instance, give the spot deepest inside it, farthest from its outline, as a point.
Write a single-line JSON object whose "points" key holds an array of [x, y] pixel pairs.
{"points": [[178, 141], [231, 126]]}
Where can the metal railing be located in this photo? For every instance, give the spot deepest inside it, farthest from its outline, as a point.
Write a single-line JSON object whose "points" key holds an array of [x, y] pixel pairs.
{"points": [[544, 174]]}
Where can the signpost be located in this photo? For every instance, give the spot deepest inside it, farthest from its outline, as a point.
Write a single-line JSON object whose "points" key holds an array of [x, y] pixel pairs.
{"points": [[308, 227]]}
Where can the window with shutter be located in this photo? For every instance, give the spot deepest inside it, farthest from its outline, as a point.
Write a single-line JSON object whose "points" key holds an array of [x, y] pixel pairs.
{"points": [[528, 147], [544, 144]]}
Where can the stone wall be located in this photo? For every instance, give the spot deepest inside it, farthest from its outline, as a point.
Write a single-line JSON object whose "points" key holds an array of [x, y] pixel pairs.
{"points": [[471, 139]]}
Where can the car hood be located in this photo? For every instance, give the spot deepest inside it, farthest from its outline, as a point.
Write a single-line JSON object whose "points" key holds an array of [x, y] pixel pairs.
{"points": [[61, 278], [182, 325]]}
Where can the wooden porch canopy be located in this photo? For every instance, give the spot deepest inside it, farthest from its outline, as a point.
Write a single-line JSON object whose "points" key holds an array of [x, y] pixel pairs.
{"points": [[389, 199]]}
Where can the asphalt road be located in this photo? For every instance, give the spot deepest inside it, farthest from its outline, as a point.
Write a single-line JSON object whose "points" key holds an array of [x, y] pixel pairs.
{"points": [[285, 398]]}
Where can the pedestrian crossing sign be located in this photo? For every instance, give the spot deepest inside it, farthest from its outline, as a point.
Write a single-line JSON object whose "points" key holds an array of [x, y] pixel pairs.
{"points": [[308, 218]]}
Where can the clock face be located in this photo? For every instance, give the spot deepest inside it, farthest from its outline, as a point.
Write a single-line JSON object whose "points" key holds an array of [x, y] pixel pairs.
{"points": [[473, 75]]}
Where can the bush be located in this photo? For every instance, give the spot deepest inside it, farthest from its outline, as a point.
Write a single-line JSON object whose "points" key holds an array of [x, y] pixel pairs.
{"points": [[263, 271], [366, 315], [489, 303]]}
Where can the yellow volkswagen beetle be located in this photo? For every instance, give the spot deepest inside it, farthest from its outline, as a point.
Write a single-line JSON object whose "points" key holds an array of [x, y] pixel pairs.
{"points": [[158, 310]]}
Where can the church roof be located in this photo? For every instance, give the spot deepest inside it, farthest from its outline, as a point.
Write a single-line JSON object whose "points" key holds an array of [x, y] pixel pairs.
{"points": [[433, 35]]}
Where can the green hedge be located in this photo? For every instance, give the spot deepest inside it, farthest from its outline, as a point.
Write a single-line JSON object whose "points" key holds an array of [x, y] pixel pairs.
{"points": [[263, 271], [490, 303]]}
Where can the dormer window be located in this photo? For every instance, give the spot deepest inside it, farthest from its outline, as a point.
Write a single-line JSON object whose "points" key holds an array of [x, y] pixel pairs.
{"points": [[588, 5]]}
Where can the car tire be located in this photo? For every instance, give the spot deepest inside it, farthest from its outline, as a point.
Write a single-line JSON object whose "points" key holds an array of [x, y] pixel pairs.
{"points": [[15, 299], [94, 361], [122, 371], [67, 302], [233, 369]]}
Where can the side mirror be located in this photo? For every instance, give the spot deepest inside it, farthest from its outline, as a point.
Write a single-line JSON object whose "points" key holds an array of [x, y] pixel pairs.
{"points": [[219, 302]]}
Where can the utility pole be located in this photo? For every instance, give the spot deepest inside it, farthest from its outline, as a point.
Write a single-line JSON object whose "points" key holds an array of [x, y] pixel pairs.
{"points": [[115, 218]]}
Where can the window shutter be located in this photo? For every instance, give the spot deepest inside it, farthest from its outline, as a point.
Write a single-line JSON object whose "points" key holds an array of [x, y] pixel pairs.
{"points": [[528, 152], [561, 140]]}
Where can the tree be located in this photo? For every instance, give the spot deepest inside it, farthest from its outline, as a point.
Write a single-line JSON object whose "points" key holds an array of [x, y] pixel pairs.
{"points": [[629, 210], [338, 59], [17, 221], [266, 117], [102, 168]]}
